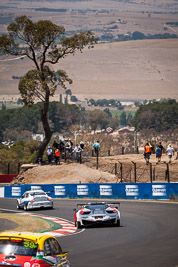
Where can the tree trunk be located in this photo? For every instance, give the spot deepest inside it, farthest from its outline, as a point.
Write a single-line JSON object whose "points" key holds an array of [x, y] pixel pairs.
{"points": [[47, 130]]}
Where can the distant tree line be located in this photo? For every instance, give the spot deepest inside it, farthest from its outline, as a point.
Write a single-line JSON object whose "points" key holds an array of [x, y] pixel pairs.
{"points": [[17, 77], [135, 36], [172, 23], [160, 116], [106, 103], [19, 152], [26, 120], [20, 124]]}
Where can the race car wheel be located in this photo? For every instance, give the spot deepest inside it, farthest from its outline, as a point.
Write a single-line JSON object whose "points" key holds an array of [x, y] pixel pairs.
{"points": [[118, 223], [25, 207], [78, 224], [18, 207]]}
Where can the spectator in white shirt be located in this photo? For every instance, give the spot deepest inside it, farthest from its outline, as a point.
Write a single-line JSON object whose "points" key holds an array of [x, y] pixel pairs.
{"points": [[170, 152]]}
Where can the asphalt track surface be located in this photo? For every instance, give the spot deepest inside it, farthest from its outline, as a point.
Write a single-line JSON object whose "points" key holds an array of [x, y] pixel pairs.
{"points": [[148, 236]]}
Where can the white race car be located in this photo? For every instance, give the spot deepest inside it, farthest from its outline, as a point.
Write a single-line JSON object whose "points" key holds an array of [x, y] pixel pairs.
{"points": [[34, 199], [97, 213]]}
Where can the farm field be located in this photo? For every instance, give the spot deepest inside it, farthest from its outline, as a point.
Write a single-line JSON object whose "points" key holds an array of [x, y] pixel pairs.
{"points": [[145, 69], [140, 69]]}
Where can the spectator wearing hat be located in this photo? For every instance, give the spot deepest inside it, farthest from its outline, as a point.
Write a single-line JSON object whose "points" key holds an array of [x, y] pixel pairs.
{"points": [[49, 154], [170, 152]]}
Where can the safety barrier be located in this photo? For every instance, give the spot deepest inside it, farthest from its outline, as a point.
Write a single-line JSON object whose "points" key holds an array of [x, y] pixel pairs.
{"points": [[100, 191]]}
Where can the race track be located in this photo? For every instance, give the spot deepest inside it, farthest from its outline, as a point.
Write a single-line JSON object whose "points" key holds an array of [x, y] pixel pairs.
{"points": [[148, 236]]}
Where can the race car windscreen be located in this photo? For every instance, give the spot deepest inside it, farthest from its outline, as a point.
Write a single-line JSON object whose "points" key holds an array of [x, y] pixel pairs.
{"points": [[18, 247], [38, 194], [96, 207]]}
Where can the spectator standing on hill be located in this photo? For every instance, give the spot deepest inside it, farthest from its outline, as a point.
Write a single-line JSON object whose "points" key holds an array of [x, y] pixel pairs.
{"points": [[68, 146], [82, 148], [57, 155], [77, 151], [170, 152], [55, 145], [158, 154], [49, 154], [96, 146], [82, 145], [160, 145], [61, 146], [147, 153]]}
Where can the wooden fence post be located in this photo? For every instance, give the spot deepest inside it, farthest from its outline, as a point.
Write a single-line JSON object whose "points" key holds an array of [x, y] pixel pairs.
{"points": [[154, 174], [135, 171], [65, 156], [121, 171], [80, 157], [115, 168], [168, 177], [137, 150], [97, 158], [123, 148], [151, 173]]}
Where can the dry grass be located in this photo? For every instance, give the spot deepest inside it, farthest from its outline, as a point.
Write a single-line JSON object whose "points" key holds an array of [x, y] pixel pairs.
{"points": [[139, 69], [144, 69], [26, 223]]}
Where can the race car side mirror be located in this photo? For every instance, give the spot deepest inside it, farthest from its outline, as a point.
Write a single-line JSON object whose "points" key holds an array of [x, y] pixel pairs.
{"points": [[74, 209]]}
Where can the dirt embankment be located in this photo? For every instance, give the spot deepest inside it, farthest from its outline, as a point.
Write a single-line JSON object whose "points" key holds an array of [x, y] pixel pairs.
{"points": [[108, 171], [64, 173]]}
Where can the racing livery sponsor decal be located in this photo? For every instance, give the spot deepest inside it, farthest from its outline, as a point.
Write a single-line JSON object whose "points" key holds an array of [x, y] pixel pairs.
{"points": [[131, 190], [16, 191], [49, 259], [82, 190], [65, 227], [105, 190], [36, 187], [158, 190], [27, 264], [59, 190]]}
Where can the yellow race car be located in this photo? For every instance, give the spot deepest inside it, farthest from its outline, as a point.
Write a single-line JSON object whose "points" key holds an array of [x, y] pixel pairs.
{"points": [[21, 249]]}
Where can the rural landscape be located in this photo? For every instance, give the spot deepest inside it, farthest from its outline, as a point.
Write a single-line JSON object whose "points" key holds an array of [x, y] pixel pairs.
{"points": [[130, 70], [88, 133], [133, 63]]}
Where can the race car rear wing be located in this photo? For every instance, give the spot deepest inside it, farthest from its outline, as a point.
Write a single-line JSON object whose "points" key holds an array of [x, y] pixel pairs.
{"points": [[99, 203]]}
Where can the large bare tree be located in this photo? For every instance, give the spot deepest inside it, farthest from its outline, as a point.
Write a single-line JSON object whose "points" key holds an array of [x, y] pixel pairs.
{"points": [[44, 43]]}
